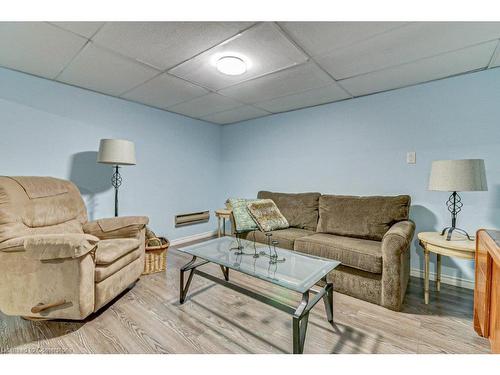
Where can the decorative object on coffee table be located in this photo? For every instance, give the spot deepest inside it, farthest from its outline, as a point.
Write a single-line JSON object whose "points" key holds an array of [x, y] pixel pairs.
{"points": [[156, 253], [454, 176], [116, 152], [273, 254]]}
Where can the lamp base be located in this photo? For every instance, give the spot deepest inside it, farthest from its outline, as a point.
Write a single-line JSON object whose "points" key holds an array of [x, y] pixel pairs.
{"points": [[449, 231]]}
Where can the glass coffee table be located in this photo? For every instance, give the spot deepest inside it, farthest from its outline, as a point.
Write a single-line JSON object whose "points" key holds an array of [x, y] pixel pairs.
{"points": [[288, 269]]}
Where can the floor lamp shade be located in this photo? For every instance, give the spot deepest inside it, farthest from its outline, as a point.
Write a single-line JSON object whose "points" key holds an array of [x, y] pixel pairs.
{"points": [[458, 175], [116, 152]]}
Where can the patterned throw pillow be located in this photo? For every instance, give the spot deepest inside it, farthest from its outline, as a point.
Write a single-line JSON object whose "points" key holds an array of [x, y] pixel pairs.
{"points": [[267, 215], [243, 222]]}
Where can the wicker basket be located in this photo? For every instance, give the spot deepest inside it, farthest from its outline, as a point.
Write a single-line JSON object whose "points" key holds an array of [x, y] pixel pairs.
{"points": [[156, 256]]}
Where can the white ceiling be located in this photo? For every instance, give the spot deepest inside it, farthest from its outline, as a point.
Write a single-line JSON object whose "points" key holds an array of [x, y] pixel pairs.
{"points": [[169, 65]]}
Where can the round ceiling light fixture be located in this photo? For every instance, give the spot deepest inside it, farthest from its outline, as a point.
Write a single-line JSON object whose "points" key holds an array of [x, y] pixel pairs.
{"points": [[231, 65]]}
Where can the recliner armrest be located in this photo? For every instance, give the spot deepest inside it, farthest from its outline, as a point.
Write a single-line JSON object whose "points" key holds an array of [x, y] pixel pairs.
{"points": [[116, 227], [59, 246], [398, 237]]}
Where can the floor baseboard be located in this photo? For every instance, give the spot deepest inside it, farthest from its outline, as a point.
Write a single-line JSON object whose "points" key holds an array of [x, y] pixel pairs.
{"points": [[194, 237], [450, 280]]}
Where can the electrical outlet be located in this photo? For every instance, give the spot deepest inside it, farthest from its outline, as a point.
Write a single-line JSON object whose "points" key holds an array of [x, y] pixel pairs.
{"points": [[411, 157]]}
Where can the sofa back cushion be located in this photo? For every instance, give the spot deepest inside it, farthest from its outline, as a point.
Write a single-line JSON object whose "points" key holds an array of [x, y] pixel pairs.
{"points": [[361, 217], [300, 210]]}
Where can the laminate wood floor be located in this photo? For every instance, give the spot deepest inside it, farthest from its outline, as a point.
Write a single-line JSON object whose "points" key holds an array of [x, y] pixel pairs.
{"points": [[149, 319]]}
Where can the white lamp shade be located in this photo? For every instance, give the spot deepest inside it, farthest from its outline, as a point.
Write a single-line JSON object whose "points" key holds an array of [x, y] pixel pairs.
{"points": [[458, 175], [116, 152]]}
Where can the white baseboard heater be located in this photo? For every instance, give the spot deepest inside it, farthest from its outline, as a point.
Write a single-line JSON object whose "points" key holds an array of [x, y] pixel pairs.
{"points": [[192, 218]]}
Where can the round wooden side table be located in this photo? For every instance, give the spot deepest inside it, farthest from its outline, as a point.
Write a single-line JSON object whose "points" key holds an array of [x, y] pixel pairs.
{"points": [[222, 214], [433, 242]]}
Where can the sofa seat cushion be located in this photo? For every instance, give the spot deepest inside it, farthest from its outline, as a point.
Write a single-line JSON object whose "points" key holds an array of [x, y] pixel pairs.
{"points": [[103, 271], [285, 237], [110, 250], [362, 254]]}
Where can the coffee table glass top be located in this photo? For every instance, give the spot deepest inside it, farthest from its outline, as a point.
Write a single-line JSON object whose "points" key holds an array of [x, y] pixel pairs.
{"points": [[299, 272]]}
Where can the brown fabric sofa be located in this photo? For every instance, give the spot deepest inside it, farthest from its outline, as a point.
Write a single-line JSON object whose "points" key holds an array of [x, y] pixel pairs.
{"points": [[50, 255], [370, 236]]}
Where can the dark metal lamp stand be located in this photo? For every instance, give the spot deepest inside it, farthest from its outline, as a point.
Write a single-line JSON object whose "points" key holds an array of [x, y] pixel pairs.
{"points": [[454, 204], [116, 181]]}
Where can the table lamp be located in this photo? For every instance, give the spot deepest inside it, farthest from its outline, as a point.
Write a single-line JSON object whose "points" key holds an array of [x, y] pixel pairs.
{"points": [[455, 176], [116, 152]]}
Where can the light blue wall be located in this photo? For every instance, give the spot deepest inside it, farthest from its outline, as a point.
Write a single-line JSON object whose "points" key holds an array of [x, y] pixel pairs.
{"points": [[352, 147], [52, 129], [359, 147]]}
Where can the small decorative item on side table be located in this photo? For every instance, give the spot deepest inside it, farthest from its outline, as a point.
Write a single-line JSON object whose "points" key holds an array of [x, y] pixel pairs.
{"points": [[434, 242], [156, 253], [222, 214]]}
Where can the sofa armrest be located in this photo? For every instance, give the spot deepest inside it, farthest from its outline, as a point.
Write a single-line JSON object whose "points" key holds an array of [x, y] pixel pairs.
{"points": [[398, 237], [59, 246], [116, 227], [396, 263]]}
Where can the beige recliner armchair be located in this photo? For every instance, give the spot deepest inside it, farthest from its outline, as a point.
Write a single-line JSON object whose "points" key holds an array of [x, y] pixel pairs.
{"points": [[54, 264]]}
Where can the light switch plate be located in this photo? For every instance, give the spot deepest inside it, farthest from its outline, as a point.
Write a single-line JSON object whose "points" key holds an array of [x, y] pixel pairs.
{"points": [[411, 157]]}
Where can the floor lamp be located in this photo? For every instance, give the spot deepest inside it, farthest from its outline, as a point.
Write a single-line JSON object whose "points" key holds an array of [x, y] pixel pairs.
{"points": [[116, 152], [454, 176]]}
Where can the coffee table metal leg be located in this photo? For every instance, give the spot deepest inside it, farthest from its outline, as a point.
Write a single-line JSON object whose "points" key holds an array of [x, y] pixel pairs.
{"points": [[328, 300], [299, 324], [225, 272], [183, 289]]}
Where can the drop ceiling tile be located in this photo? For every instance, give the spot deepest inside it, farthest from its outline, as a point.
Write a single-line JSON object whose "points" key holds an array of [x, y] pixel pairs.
{"points": [[164, 91], [496, 59], [205, 105], [85, 29], [319, 38], [165, 44], [428, 69], [405, 44], [263, 47], [235, 115], [322, 95], [286, 82], [37, 47], [101, 70]]}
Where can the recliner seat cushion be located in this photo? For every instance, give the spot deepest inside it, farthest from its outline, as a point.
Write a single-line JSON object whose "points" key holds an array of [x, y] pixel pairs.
{"points": [[109, 251], [361, 217], [285, 237], [300, 210], [103, 271], [365, 255]]}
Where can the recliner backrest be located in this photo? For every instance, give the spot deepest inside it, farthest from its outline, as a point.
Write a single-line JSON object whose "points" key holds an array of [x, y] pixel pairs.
{"points": [[39, 205]]}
